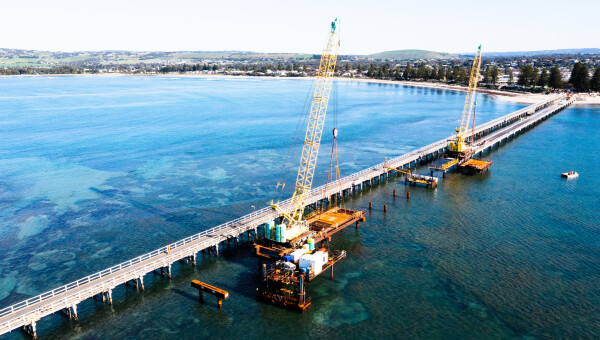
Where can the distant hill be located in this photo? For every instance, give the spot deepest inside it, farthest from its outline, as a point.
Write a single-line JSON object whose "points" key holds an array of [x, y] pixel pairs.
{"points": [[33, 58], [541, 52], [412, 54]]}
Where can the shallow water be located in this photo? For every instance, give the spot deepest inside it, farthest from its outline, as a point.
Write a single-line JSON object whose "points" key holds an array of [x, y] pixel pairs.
{"points": [[96, 170]]}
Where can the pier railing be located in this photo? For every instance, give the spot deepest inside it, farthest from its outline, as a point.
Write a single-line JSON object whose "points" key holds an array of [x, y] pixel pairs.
{"points": [[517, 113], [126, 264], [235, 224]]}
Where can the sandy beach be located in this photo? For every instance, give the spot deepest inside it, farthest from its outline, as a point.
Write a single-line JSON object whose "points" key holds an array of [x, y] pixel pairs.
{"points": [[524, 98], [588, 99], [516, 97]]}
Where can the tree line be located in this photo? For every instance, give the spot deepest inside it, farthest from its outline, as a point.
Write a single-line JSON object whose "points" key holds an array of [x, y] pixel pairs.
{"points": [[182, 68], [529, 75], [454, 74], [580, 80], [63, 69]]}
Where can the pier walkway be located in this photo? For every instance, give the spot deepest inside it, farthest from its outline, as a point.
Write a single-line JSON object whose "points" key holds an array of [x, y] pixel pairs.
{"points": [[26, 313]]}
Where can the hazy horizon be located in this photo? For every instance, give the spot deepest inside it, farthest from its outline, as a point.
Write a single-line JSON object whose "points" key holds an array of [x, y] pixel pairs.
{"points": [[274, 27], [288, 52]]}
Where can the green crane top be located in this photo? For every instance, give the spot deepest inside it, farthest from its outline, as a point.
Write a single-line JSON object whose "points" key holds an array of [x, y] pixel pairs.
{"points": [[334, 25]]}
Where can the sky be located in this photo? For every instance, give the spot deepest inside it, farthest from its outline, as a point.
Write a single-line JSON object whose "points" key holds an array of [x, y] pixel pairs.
{"points": [[457, 26]]}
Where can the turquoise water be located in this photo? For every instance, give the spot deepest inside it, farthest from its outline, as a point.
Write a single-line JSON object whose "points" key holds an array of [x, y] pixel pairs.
{"points": [[96, 170]]}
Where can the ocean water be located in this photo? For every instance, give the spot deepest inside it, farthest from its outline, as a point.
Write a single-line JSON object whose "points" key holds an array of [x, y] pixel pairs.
{"points": [[96, 170]]}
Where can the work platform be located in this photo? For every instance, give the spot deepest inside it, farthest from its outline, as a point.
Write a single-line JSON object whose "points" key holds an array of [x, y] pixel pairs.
{"points": [[466, 164], [475, 166], [444, 165], [283, 281], [321, 226], [28, 312], [286, 287], [415, 179]]}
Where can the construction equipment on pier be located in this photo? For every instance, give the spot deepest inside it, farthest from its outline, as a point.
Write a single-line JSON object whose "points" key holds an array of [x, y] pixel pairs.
{"points": [[291, 244], [461, 148], [293, 213], [415, 179], [458, 147]]}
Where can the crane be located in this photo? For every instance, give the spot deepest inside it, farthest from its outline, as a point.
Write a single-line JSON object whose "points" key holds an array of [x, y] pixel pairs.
{"points": [[293, 212], [458, 146], [298, 247]]}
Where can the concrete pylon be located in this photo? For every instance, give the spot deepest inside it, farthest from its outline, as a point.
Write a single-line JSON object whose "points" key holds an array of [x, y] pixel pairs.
{"points": [[31, 329], [74, 312]]}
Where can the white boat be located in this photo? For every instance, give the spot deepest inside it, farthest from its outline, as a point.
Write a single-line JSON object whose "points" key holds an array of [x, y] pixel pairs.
{"points": [[569, 175]]}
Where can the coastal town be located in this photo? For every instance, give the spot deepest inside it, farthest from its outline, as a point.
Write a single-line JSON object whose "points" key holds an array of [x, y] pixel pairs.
{"points": [[536, 72]]}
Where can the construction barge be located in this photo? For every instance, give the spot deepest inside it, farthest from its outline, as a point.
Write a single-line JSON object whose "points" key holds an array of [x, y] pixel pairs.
{"points": [[473, 166], [466, 165], [295, 262], [427, 181]]}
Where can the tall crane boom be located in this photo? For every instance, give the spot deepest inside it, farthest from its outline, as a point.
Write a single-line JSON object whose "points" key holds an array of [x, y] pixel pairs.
{"points": [[459, 146], [312, 140]]}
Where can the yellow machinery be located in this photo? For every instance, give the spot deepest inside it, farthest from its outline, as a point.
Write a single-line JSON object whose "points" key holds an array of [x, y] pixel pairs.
{"points": [[283, 282], [292, 213], [450, 162], [458, 146]]}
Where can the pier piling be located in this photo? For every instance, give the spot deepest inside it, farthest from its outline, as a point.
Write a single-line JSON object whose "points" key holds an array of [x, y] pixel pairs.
{"points": [[202, 287]]}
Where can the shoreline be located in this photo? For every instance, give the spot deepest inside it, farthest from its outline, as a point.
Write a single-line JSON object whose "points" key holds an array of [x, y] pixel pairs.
{"points": [[515, 97], [523, 98]]}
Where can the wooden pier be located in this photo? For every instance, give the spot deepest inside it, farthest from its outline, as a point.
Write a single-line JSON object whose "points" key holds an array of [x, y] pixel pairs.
{"points": [[26, 314]]}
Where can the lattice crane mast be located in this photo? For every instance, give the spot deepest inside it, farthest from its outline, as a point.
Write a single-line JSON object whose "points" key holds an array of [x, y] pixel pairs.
{"points": [[293, 212], [458, 146]]}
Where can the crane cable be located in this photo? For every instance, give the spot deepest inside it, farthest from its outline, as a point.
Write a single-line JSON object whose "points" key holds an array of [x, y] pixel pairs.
{"points": [[473, 128], [302, 119], [292, 149], [330, 174]]}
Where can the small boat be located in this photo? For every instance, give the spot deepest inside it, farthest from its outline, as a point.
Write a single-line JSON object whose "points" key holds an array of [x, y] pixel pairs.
{"points": [[569, 175]]}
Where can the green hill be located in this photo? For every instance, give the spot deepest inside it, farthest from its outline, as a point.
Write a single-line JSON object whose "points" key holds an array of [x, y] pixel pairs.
{"points": [[33, 58], [412, 54]]}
